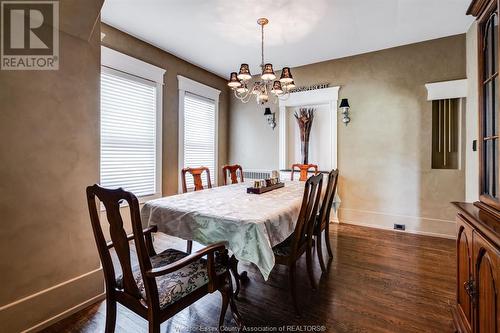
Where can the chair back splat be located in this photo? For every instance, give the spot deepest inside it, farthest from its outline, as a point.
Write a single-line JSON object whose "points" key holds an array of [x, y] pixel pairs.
{"points": [[308, 212], [304, 170], [326, 205], [233, 171], [323, 219], [198, 182]]}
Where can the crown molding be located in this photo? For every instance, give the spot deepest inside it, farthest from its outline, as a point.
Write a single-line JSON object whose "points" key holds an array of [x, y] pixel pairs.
{"points": [[477, 7]]}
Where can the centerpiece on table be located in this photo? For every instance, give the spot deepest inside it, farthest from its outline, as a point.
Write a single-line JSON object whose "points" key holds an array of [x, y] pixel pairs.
{"points": [[266, 185]]}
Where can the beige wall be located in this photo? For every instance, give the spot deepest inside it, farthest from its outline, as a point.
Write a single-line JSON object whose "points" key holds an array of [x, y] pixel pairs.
{"points": [[174, 66], [49, 146], [49, 143], [384, 154], [472, 116]]}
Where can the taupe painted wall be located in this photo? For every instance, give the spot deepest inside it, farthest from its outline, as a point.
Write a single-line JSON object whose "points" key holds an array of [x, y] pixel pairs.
{"points": [[49, 147], [174, 66], [384, 154], [472, 157], [49, 143]]}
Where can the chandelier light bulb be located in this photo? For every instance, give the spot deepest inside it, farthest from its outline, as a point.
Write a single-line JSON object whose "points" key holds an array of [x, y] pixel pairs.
{"points": [[262, 98], [242, 89], [286, 75], [291, 85], [233, 81], [277, 90], [268, 73], [244, 74]]}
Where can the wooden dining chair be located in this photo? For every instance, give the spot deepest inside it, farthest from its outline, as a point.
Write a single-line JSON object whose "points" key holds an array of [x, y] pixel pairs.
{"points": [[290, 250], [304, 170], [198, 182], [323, 218], [163, 284], [233, 173], [198, 186]]}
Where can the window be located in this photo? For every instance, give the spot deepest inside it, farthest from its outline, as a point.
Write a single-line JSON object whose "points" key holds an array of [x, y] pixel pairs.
{"points": [[198, 119], [130, 133], [445, 133], [489, 136], [448, 100]]}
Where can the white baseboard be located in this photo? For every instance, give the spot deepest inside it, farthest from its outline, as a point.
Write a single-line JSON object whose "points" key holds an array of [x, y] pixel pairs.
{"points": [[414, 225], [43, 308], [416, 232], [46, 323]]}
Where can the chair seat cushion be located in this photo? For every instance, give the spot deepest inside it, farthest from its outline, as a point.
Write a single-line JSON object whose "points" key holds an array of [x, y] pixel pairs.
{"points": [[178, 284], [284, 248]]}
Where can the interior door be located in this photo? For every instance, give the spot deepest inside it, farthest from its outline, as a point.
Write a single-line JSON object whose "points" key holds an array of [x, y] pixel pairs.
{"points": [[487, 285], [464, 270]]}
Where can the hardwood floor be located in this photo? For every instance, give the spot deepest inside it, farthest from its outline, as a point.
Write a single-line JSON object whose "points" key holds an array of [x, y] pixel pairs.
{"points": [[378, 281]]}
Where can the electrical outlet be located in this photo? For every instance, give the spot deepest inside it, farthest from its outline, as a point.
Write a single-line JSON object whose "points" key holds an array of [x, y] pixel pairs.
{"points": [[399, 227]]}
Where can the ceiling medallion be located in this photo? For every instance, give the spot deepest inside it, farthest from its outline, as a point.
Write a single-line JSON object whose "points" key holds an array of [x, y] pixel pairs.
{"points": [[267, 85]]}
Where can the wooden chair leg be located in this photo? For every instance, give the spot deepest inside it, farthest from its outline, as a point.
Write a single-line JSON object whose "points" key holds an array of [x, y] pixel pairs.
{"points": [[233, 266], [154, 325], [319, 251], [327, 241], [189, 248], [225, 302], [291, 279], [110, 315], [310, 271], [234, 308]]}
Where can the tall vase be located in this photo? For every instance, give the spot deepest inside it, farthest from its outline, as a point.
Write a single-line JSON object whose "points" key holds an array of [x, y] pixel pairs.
{"points": [[305, 119], [304, 151]]}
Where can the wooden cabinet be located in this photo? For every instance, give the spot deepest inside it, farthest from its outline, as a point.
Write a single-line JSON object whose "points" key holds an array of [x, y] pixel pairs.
{"points": [[464, 271], [477, 308], [486, 289]]}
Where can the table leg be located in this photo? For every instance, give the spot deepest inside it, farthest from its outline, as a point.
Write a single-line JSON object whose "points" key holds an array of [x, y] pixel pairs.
{"points": [[238, 277]]}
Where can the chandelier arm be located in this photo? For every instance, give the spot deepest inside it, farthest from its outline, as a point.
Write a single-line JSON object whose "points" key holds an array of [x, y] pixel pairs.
{"points": [[242, 97]]}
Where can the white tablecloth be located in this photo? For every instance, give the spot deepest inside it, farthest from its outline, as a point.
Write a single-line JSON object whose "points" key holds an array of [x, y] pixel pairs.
{"points": [[250, 224]]}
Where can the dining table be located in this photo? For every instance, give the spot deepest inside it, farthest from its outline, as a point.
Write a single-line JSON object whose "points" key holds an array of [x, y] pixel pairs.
{"points": [[250, 224]]}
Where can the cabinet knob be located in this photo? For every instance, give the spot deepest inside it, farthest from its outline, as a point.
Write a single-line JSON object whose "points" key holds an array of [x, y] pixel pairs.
{"points": [[471, 290]]}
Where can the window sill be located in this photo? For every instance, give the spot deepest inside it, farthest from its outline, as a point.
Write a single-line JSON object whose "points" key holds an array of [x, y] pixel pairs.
{"points": [[142, 200]]}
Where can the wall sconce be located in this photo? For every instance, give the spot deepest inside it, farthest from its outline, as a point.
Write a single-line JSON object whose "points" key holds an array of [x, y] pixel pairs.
{"points": [[271, 118], [344, 107]]}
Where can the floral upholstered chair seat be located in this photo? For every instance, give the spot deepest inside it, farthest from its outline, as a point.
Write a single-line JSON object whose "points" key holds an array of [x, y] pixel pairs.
{"points": [[176, 285], [284, 248]]}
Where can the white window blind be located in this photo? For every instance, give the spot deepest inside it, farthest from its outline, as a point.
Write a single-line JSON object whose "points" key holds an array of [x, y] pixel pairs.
{"points": [[199, 135], [129, 149]]}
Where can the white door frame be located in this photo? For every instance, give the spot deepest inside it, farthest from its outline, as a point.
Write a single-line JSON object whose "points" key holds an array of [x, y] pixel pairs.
{"points": [[329, 96]]}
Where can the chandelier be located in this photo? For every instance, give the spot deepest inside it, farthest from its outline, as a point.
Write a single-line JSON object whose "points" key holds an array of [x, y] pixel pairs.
{"points": [[267, 85]]}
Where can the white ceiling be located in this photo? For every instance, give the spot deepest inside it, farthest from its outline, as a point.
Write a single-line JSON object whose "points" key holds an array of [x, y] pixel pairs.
{"points": [[218, 35]]}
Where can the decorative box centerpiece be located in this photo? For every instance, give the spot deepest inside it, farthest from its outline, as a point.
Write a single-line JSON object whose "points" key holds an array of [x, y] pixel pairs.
{"points": [[266, 185]]}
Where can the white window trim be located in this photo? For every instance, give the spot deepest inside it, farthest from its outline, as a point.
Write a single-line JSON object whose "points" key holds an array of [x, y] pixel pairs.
{"points": [[446, 89], [126, 66], [125, 63], [200, 89]]}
